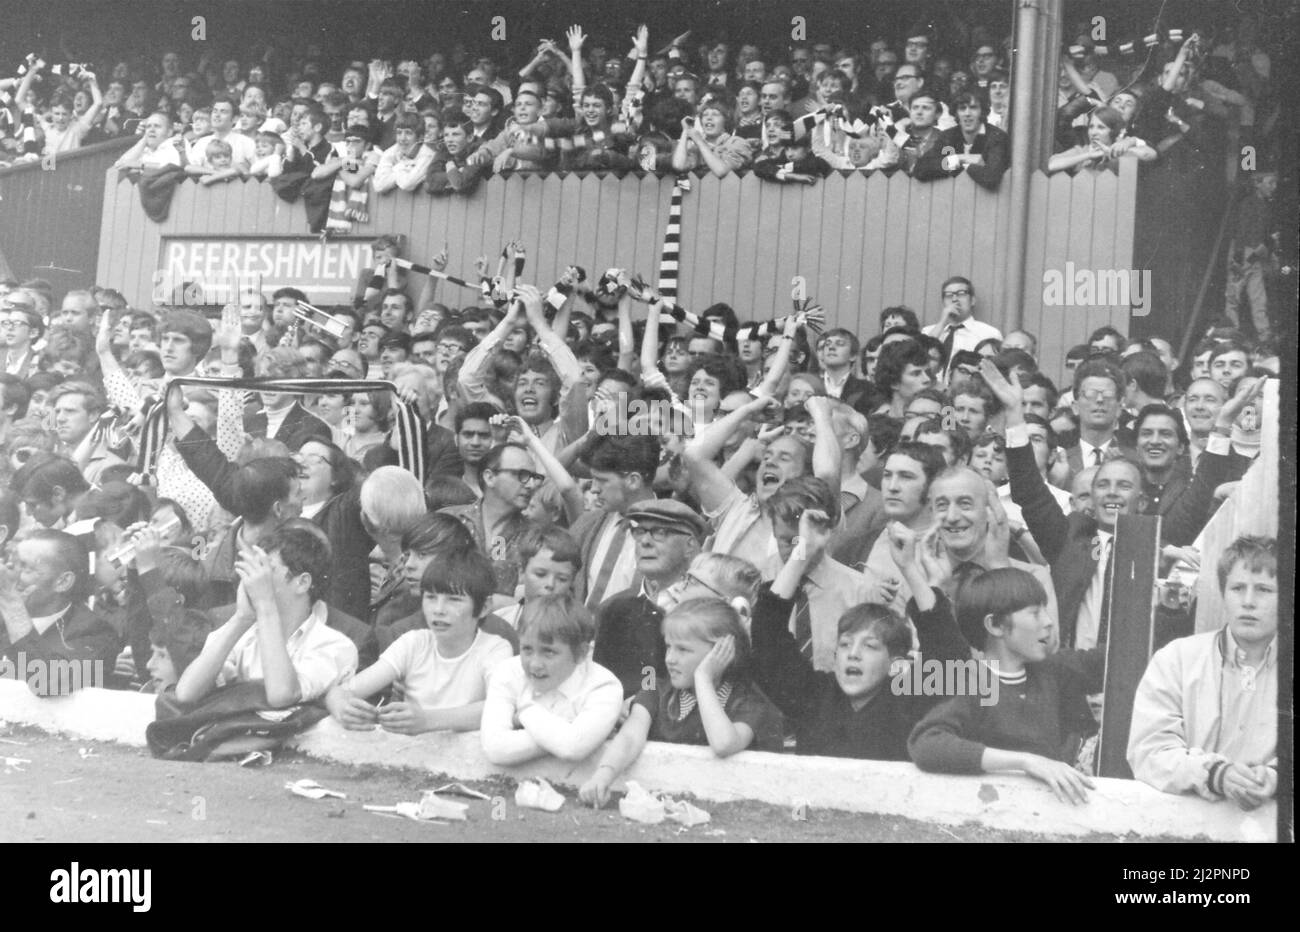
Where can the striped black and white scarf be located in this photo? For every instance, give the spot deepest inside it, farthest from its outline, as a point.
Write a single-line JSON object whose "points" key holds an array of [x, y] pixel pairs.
{"points": [[407, 422]]}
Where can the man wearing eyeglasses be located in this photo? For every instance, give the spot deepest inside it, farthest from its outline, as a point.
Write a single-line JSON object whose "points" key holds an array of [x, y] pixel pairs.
{"points": [[917, 48], [1098, 401], [983, 62], [958, 329], [667, 535], [20, 327], [909, 80], [508, 478]]}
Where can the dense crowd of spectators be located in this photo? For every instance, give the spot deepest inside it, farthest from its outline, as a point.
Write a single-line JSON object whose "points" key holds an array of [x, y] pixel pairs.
{"points": [[582, 510]]}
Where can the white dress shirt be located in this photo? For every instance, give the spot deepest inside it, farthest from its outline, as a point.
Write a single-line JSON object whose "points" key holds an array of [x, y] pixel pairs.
{"points": [[321, 656], [1088, 452], [970, 333], [1088, 623]]}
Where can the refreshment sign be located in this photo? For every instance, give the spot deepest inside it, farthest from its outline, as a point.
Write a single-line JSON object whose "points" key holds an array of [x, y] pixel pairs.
{"points": [[201, 271]]}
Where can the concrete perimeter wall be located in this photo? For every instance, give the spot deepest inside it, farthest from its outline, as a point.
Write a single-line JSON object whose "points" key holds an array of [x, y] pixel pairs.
{"points": [[1006, 802]]}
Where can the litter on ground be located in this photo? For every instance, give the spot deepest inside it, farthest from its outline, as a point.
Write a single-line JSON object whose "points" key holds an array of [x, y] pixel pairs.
{"points": [[538, 794]]}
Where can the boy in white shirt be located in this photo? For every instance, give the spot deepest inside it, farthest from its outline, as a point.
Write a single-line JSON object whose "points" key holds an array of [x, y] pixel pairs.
{"points": [[269, 148], [552, 698], [405, 163], [438, 674], [278, 633]]}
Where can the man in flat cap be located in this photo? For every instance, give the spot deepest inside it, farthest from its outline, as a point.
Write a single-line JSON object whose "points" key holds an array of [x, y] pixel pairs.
{"points": [[668, 534]]}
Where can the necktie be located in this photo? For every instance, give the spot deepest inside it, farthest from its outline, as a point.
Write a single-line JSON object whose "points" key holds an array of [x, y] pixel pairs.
{"points": [[961, 573], [949, 337], [803, 624], [1096, 456], [597, 593], [964, 571]]}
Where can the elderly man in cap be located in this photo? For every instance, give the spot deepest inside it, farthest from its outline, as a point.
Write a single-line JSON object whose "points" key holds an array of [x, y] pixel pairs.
{"points": [[629, 642], [20, 327]]}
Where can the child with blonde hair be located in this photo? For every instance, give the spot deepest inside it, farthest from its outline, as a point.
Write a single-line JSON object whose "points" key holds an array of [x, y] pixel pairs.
{"points": [[709, 699], [552, 698]]}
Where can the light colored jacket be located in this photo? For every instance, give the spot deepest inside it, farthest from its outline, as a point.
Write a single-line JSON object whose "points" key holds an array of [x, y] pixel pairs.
{"points": [[1179, 726]]}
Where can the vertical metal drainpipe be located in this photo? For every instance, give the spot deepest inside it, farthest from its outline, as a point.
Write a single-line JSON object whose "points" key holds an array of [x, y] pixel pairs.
{"points": [[1033, 101]]}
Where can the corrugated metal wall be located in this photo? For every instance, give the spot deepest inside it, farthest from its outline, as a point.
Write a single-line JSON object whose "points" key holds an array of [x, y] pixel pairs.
{"points": [[862, 243], [52, 217]]}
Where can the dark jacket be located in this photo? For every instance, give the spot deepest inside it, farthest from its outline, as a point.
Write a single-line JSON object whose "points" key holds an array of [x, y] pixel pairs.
{"points": [[1047, 714], [1066, 541], [629, 642], [79, 637], [860, 394], [991, 142], [298, 425], [825, 723]]}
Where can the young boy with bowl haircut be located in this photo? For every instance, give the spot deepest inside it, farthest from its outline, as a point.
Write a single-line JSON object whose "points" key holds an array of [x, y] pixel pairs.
{"points": [[439, 673], [1039, 715], [552, 698]]}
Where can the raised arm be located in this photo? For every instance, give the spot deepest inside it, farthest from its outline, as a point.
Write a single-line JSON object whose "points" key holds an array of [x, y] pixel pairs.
{"points": [[545, 48], [1170, 76], [1184, 520], [119, 388], [641, 48], [1028, 488], [1076, 79], [650, 339], [131, 158], [626, 337], [565, 484], [709, 482], [572, 401], [96, 100], [827, 454], [781, 361], [429, 290], [200, 677], [725, 737], [230, 407], [473, 371], [681, 151], [579, 81]]}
